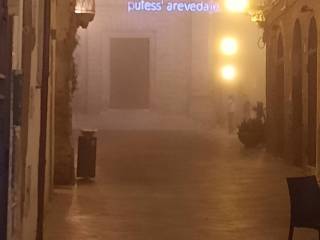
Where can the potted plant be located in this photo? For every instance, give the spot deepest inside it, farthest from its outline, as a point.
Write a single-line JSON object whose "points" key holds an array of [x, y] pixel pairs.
{"points": [[251, 132]]}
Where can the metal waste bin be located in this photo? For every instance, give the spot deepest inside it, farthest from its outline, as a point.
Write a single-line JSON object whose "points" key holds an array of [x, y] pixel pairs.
{"points": [[87, 148]]}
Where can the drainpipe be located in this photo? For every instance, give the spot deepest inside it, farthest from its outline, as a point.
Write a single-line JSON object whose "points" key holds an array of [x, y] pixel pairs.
{"points": [[43, 118]]}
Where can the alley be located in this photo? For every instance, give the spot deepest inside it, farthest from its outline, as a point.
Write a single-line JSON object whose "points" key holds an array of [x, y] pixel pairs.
{"points": [[175, 185]]}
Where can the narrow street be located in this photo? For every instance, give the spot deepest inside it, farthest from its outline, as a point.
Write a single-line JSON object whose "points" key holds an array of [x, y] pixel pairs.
{"points": [[176, 186]]}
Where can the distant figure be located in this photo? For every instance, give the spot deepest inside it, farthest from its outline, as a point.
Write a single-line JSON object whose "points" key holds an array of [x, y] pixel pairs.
{"points": [[246, 110], [259, 109], [231, 113]]}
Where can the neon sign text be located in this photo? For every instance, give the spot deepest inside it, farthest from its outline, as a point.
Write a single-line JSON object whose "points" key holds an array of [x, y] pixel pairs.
{"points": [[172, 6]]}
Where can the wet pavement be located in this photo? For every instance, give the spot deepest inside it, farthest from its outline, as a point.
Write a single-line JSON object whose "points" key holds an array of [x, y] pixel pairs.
{"points": [[176, 185]]}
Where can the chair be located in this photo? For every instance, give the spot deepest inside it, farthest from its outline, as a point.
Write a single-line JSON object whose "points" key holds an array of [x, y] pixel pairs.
{"points": [[305, 203]]}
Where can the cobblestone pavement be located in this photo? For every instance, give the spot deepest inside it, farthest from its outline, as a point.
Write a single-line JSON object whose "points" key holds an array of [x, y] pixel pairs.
{"points": [[176, 186]]}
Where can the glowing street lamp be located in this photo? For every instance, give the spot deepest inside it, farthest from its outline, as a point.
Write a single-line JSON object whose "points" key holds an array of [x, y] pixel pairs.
{"points": [[228, 73], [255, 11], [229, 46], [237, 6]]}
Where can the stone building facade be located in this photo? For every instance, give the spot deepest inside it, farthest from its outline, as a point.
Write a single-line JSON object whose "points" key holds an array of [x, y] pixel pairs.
{"points": [[31, 78], [37, 40], [184, 70], [291, 35]]}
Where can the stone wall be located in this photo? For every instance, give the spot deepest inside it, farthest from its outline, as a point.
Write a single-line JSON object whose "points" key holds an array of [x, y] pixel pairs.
{"points": [[281, 19], [65, 45]]}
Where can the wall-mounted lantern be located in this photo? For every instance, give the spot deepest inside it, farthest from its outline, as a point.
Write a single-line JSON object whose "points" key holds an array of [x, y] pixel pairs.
{"points": [[85, 11], [258, 16]]}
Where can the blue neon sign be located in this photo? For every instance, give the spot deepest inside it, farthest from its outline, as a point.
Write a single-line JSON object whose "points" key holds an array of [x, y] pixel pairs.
{"points": [[173, 6]]}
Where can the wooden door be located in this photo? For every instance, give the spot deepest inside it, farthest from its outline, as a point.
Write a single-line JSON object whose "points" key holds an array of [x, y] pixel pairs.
{"points": [[130, 77], [297, 107]]}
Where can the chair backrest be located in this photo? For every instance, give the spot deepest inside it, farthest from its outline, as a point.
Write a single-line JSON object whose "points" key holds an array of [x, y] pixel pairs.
{"points": [[304, 199]]}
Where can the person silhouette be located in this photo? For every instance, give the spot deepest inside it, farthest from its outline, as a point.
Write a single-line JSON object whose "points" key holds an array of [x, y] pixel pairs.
{"points": [[231, 113]]}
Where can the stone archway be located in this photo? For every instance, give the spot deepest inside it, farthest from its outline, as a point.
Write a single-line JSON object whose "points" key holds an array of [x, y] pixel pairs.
{"points": [[312, 93], [297, 107], [279, 98]]}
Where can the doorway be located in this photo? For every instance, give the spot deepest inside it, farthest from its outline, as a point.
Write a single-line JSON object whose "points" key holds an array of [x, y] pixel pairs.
{"points": [[297, 108], [279, 99], [130, 73], [312, 93]]}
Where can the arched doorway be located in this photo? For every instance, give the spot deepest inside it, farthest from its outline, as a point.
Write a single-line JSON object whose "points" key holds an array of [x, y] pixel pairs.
{"points": [[312, 93], [297, 95], [279, 98]]}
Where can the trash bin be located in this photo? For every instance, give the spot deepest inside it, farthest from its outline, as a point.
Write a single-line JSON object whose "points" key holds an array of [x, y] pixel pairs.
{"points": [[87, 146]]}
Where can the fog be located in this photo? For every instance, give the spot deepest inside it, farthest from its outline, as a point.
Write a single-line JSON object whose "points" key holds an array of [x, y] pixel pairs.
{"points": [[162, 70]]}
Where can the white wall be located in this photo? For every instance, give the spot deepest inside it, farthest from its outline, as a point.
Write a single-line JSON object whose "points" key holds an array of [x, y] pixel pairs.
{"points": [[172, 39]]}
